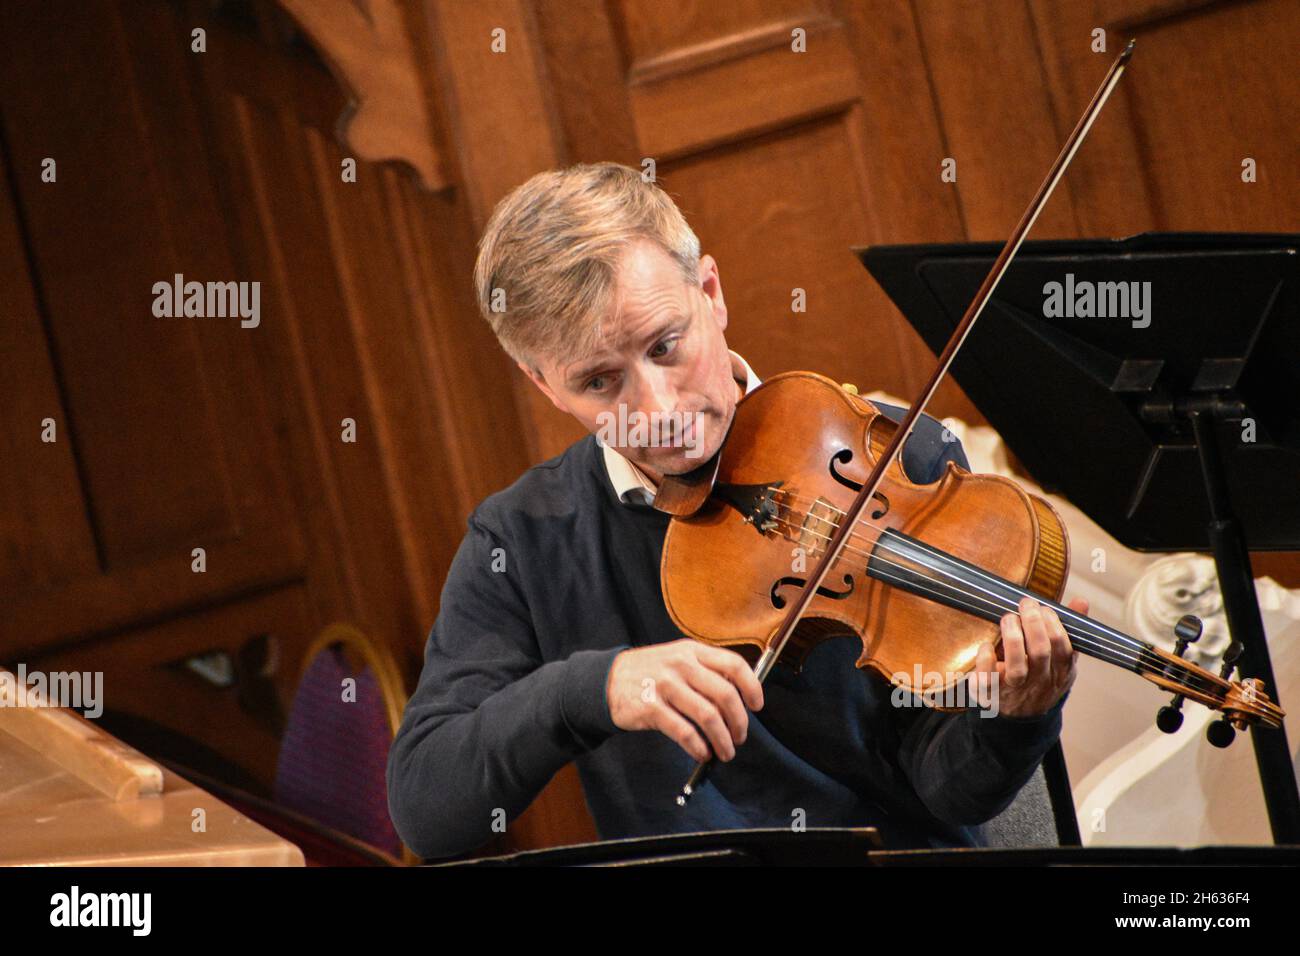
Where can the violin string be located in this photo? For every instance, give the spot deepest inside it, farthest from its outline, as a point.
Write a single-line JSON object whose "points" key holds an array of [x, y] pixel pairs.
{"points": [[1084, 639], [881, 542], [1093, 641], [976, 603], [1103, 650], [1103, 646], [1170, 669], [1079, 620]]}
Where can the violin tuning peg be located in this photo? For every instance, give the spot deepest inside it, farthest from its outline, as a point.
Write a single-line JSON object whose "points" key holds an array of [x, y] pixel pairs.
{"points": [[1169, 718], [1220, 733], [1230, 660], [849, 387], [1188, 629]]}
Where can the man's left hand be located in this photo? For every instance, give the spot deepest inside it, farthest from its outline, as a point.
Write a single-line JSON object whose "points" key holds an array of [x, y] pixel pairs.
{"points": [[1038, 664]]}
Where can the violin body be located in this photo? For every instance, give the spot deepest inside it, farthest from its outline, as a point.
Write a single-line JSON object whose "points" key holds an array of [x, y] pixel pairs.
{"points": [[730, 568]]}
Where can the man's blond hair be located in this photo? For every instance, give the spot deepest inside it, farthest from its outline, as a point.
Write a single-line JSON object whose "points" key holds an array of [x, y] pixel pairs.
{"points": [[547, 264]]}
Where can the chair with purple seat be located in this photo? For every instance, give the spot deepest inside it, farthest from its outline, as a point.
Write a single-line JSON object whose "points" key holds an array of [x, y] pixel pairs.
{"points": [[345, 712]]}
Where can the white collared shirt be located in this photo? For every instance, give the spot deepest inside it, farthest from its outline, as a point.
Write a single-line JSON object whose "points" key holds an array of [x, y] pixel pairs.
{"points": [[630, 483]]}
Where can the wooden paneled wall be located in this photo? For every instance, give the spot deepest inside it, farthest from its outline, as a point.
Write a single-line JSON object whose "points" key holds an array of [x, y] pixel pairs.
{"points": [[225, 165], [182, 433]]}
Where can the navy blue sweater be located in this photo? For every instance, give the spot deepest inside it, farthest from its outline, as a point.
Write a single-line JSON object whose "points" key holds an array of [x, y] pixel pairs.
{"points": [[555, 577]]}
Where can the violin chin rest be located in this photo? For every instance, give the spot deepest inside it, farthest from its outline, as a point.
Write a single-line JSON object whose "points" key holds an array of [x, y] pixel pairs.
{"points": [[683, 495]]}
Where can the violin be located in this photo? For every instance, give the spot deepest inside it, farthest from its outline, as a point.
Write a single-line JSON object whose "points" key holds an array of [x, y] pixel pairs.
{"points": [[810, 474], [926, 575]]}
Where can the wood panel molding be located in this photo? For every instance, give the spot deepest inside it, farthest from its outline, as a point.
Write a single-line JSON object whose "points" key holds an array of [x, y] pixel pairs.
{"points": [[695, 98], [500, 115], [368, 48], [759, 38]]}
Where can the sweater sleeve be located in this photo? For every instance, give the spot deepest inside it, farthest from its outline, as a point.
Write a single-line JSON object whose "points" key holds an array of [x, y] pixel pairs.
{"points": [[489, 723], [967, 768]]}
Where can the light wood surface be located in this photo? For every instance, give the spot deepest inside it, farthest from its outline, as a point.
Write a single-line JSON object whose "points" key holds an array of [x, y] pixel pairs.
{"points": [[72, 742], [54, 810]]}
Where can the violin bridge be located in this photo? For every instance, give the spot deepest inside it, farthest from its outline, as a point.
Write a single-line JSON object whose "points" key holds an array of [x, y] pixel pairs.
{"points": [[818, 526]]}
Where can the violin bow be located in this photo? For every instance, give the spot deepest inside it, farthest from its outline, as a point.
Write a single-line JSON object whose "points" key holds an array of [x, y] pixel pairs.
{"points": [[850, 520]]}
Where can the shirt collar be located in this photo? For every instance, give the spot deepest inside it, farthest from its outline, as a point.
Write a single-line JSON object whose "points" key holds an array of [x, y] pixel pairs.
{"points": [[630, 483]]}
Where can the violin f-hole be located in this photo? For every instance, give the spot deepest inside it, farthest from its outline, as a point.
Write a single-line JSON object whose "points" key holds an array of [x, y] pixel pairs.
{"points": [[844, 456], [779, 602]]}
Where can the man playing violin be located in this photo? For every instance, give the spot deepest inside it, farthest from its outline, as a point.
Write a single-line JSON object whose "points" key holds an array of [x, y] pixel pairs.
{"points": [[552, 643]]}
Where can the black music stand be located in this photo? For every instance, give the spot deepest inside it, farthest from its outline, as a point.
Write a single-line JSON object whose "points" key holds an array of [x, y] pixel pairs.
{"points": [[1172, 420], [859, 846], [780, 846]]}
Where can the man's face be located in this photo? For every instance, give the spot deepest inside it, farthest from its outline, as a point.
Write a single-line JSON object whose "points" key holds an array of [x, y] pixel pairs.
{"points": [[661, 390]]}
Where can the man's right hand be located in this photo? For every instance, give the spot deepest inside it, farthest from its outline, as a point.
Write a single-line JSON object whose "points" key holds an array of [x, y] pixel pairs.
{"points": [[670, 687]]}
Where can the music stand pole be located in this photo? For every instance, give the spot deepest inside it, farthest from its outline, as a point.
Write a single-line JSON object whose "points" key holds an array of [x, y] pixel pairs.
{"points": [[1241, 607]]}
